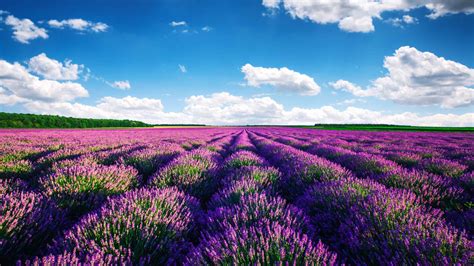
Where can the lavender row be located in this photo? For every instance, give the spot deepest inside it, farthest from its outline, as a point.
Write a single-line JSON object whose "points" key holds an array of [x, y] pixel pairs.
{"points": [[368, 223], [452, 195], [246, 223], [437, 190], [408, 148], [74, 182], [210, 196], [144, 226], [299, 168], [196, 172]]}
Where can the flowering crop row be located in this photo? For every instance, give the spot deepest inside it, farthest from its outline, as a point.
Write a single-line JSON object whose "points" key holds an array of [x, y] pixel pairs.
{"points": [[371, 223], [235, 196]]}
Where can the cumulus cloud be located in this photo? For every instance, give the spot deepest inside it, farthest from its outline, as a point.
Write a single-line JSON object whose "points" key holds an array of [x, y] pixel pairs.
{"points": [[53, 69], [441, 8], [182, 69], [121, 84], [100, 27], [131, 104], [24, 30], [357, 16], [409, 19], [79, 25], [354, 24], [178, 23], [224, 108], [351, 102], [7, 98], [419, 78], [283, 79], [129, 107], [19, 85], [401, 22], [349, 87], [206, 28]]}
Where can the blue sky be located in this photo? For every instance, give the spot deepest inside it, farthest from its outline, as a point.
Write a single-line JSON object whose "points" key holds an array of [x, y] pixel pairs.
{"points": [[303, 63]]}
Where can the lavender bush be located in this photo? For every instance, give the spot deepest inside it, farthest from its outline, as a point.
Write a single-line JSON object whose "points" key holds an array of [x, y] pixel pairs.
{"points": [[143, 226], [80, 188], [235, 196], [27, 220]]}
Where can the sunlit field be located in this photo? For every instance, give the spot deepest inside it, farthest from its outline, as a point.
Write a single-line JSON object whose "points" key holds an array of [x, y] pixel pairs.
{"points": [[246, 196]]}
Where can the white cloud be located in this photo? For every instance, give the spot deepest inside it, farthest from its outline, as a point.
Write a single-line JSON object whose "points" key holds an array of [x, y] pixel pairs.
{"points": [[19, 84], [351, 102], [283, 79], [409, 19], [227, 109], [9, 99], [142, 109], [328, 114], [404, 20], [131, 104], [178, 23], [271, 3], [441, 8], [118, 84], [53, 69], [79, 24], [352, 24], [24, 30], [206, 28], [357, 16], [349, 87], [419, 78], [121, 84], [99, 27], [182, 69]]}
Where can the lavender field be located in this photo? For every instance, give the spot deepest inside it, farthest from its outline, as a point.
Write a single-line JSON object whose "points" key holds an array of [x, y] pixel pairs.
{"points": [[235, 196]]}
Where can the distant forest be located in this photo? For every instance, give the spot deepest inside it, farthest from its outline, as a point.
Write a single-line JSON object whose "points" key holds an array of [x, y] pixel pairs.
{"points": [[12, 120]]}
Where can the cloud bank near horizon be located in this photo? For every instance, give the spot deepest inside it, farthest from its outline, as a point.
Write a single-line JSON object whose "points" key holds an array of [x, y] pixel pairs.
{"points": [[48, 86]]}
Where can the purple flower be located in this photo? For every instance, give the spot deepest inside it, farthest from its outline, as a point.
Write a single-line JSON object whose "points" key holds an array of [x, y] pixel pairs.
{"points": [[194, 172], [299, 168], [27, 220], [438, 191], [361, 163], [16, 169], [233, 191], [272, 195], [70, 258], [371, 224], [443, 167], [239, 209], [142, 225], [13, 184], [265, 176], [221, 144], [404, 158], [243, 158], [329, 203], [80, 188], [148, 160], [243, 142], [267, 243]]}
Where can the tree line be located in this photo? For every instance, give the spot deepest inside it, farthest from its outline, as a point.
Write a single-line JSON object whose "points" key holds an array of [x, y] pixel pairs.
{"points": [[13, 120]]}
